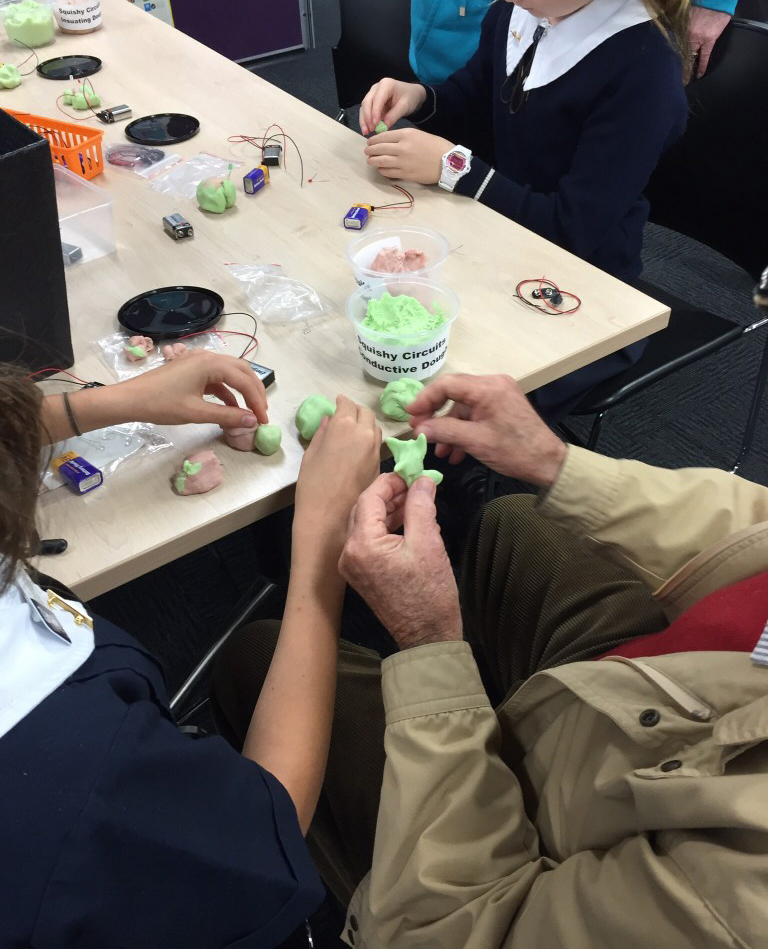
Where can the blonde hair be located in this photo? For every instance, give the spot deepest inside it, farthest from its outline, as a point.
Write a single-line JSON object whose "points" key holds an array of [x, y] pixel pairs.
{"points": [[672, 17]]}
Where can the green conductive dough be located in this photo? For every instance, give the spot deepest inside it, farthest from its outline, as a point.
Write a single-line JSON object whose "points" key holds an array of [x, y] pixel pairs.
{"points": [[80, 100], [188, 468], [9, 77], [268, 439], [29, 23], [396, 395], [401, 316], [311, 413], [216, 194], [381, 127], [409, 459], [137, 351]]}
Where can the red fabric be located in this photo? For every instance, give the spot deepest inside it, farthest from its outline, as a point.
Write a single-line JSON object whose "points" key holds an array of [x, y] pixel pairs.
{"points": [[728, 620]]}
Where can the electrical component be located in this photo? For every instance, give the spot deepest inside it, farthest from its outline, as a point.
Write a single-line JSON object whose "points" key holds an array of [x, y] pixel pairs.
{"points": [[115, 114], [264, 373], [177, 227], [78, 473], [256, 179], [357, 216], [271, 154], [550, 295]]}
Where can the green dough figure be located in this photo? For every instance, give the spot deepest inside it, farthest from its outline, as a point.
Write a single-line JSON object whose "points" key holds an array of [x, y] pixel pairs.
{"points": [[409, 459], [311, 413], [29, 23], [268, 438], [401, 316], [396, 395], [80, 100], [9, 76], [188, 468], [216, 194], [381, 127]]}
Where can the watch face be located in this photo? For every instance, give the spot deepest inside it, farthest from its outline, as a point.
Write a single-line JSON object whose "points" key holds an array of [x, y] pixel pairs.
{"points": [[456, 161]]}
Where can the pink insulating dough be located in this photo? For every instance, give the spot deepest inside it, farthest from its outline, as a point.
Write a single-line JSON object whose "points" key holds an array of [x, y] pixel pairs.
{"points": [[144, 342], [241, 439], [208, 477], [392, 260], [173, 350]]}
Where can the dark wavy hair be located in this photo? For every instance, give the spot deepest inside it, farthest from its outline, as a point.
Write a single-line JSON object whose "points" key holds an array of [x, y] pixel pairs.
{"points": [[21, 442]]}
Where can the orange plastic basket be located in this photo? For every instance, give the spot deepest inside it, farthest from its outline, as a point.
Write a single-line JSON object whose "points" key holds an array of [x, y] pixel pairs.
{"points": [[73, 146]]}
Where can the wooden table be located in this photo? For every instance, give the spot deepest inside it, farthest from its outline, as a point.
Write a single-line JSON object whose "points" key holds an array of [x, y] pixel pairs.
{"points": [[135, 524]]}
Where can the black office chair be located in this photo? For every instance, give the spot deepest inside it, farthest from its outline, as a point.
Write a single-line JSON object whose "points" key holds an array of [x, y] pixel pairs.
{"points": [[375, 35], [711, 186]]}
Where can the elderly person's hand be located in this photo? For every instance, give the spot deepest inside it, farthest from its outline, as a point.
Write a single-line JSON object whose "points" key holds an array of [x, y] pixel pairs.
{"points": [[406, 578], [492, 420], [704, 31]]}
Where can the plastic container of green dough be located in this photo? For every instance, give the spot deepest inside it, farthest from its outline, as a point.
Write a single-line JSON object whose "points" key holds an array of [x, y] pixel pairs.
{"points": [[28, 22], [402, 346], [362, 251]]}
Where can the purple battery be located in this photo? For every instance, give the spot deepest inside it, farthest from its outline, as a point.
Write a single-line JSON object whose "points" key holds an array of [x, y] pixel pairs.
{"points": [[79, 474], [254, 181]]}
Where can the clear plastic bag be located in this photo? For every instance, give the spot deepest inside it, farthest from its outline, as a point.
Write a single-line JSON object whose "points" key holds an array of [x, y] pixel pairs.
{"points": [[182, 180], [106, 449], [140, 159], [275, 298], [113, 354]]}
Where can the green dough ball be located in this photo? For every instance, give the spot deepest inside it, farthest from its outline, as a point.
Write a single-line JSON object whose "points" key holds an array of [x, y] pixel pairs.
{"points": [[311, 413], [29, 23], [396, 395], [216, 195], [381, 127], [409, 459], [83, 100], [9, 77], [267, 439]]}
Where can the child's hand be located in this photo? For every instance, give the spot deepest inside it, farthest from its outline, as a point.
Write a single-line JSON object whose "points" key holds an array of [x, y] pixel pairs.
{"points": [[389, 100], [409, 154]]}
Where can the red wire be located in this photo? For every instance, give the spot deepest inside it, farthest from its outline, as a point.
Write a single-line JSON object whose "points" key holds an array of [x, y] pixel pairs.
{"points": [[251, 348], [541, 282], [54, 369]]}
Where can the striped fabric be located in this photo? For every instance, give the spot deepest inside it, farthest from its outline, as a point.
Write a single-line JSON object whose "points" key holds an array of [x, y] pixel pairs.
{"points": [[760, 652]]}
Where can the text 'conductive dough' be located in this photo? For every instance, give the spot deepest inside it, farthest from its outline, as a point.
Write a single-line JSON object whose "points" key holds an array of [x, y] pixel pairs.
{"points": [[311, 413], [397, 395], [409, 459]]}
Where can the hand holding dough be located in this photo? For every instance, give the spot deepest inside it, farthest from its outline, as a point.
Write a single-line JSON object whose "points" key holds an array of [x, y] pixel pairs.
{"points": [[311, 413]]}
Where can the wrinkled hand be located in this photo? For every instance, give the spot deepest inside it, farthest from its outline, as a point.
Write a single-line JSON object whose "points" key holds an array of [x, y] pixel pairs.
{"points": [[703, 32], [406, 579], [388, 101], [173, 393], [340, 463], [491, 420], [409, 154]]}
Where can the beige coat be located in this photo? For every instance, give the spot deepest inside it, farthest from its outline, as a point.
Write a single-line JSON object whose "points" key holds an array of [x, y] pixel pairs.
{"points": [[560, 821]]}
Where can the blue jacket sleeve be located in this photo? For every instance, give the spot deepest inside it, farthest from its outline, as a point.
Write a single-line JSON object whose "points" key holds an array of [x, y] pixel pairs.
{"points": [[180, 843], [632, 123], [724, 6]]}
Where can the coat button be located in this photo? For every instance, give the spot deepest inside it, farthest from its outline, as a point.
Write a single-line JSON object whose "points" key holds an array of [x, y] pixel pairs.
{"points": [[649, 717], [351, 937], [353, 922], [672, 765]]}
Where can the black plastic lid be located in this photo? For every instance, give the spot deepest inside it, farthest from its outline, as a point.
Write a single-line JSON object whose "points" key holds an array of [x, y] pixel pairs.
{"points": [[69, 67], [171, 312], [166, 128]]}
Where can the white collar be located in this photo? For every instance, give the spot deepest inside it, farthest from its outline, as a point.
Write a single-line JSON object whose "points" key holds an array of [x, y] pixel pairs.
{"points": [[569, 41], [34, 661]]}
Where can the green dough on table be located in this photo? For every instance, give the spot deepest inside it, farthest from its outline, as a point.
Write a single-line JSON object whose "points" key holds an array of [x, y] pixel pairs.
{"points": [[268, 439], [311, 413], [80, 100], [400, 316], [29, 23], [381, 127], [396, 395], [216, 194], [409, 459], [9, 77]]}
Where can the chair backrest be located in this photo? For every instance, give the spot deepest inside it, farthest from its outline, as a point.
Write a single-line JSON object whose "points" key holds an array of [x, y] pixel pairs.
{"points": [[375, 35], [712, 185]]}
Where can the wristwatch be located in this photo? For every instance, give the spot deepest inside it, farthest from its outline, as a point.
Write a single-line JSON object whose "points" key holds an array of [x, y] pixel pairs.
{"points": [[455, 164]]}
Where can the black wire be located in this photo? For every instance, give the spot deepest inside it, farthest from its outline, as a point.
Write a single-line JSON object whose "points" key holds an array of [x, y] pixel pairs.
{"points": [[276, 138], [32, 53], [255, 328]]}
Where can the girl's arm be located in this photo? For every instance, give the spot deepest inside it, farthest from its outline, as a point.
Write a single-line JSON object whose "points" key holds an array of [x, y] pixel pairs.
{"points": [[291, 726]]}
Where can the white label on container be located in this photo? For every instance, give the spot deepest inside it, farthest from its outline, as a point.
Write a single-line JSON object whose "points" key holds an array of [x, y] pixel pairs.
{"points": [[386, 362], [78, 16]]}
